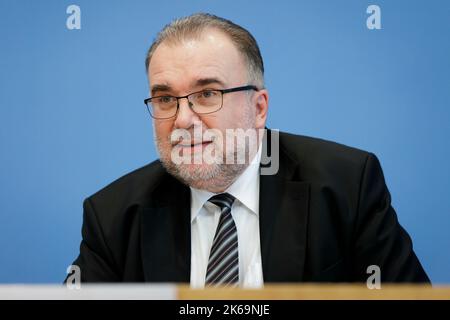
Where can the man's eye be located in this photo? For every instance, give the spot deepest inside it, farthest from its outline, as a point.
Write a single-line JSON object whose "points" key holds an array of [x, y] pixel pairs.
{"points": [[166, 99], [208, 94]]}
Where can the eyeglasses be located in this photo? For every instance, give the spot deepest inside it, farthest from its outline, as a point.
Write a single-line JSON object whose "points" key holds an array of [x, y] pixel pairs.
{"points": [[201, 102]]}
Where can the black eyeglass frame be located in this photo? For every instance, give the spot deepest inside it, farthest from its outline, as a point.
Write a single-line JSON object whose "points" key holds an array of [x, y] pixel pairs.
{"points": [[222, 91]]}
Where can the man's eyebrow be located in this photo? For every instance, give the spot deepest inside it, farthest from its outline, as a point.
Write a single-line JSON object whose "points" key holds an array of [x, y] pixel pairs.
{"points": [[160, 87], [198, 83], [206, 81]]}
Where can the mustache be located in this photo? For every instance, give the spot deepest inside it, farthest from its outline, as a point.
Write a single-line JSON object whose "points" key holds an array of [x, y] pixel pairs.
{"points": [[186, 137]]}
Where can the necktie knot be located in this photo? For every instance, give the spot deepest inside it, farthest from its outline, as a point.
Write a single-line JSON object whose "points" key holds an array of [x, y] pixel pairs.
{"points": [[222, 200]]}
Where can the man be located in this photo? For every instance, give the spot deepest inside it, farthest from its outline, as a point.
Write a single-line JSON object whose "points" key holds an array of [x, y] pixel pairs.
{"points": [[199, 215]]}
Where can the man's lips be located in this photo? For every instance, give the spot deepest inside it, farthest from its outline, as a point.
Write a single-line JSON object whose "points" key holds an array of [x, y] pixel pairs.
{"points": [[192, 144]]}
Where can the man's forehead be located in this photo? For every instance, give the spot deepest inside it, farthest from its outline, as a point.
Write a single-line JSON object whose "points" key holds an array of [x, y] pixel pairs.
{"points": [[194, 63], [174, 78], [211, 46]]}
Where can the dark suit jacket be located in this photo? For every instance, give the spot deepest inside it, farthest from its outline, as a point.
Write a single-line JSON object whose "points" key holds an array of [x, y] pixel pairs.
{"points": [[324, 217]]}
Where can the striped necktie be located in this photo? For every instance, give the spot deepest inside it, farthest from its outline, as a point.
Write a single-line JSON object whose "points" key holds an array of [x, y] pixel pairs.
{"points": [[223, 263]]}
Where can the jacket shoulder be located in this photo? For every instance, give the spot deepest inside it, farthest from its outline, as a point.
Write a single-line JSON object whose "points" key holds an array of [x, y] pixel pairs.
{"points": [[298, 145], [319, 158], [133, 188]]}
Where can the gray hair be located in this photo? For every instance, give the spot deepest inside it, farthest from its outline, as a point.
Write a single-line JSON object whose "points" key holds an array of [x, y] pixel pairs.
{"points": [[192, 27]]}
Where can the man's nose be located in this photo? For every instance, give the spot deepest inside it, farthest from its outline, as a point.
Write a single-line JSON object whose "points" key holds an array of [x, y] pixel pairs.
{"points": [[185, 117]]}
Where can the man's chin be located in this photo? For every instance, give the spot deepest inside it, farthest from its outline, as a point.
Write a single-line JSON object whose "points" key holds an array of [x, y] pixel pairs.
{"points": [[201, 171], [194, 174]]}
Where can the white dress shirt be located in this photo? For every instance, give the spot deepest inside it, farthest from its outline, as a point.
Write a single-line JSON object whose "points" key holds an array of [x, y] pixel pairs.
{"points": [[245, 211]]}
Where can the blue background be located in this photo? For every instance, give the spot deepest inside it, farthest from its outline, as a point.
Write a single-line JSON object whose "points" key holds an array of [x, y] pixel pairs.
{"points": [[72, 117]]}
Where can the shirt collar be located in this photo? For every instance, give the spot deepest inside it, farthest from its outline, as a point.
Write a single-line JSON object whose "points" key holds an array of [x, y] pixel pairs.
{"points": [[245, 189]]}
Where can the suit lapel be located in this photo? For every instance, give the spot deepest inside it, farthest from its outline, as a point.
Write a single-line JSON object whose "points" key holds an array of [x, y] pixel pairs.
{"points": [[284, 205], [166, 235]]}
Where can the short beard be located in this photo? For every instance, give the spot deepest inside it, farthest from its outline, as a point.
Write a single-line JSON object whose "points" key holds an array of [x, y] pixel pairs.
{"points": [[215, 177]]}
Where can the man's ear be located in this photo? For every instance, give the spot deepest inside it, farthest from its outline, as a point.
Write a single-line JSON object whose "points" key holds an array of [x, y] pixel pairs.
{"points": [[261, 103]]}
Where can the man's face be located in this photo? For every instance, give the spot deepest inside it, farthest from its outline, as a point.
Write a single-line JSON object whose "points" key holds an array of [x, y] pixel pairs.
{"points": [[210, 62]]}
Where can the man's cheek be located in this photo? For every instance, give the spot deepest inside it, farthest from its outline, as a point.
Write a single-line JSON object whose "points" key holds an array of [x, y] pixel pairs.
{"points": [[162, 134]]}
